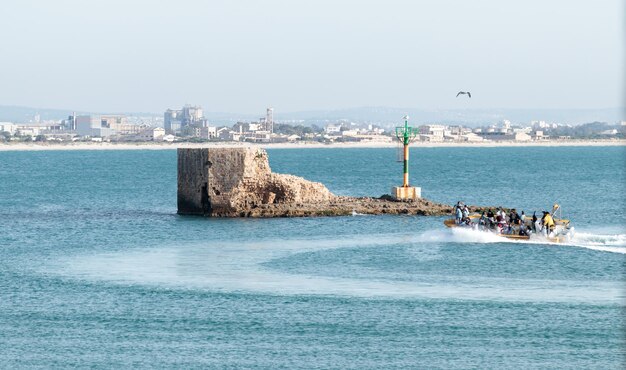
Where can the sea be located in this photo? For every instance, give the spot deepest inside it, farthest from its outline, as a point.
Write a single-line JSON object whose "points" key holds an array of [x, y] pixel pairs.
{"points": [[98, 271]]}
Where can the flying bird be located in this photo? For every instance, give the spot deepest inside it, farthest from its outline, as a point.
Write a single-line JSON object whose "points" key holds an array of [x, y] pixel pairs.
{"points": [[464, 92]]}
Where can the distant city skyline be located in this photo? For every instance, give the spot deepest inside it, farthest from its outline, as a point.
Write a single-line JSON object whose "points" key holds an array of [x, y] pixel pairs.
{"points": [[244, 56]]}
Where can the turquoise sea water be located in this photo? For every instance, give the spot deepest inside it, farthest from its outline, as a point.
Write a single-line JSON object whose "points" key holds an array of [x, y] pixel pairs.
{"points": [[97, 270]]}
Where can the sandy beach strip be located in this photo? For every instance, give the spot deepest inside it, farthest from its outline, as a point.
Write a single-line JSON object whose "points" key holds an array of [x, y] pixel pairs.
{"points": [[299, 145]]}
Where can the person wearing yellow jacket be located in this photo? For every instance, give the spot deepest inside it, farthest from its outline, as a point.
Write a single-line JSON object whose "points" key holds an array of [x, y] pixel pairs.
{"points": [[548, 222]]}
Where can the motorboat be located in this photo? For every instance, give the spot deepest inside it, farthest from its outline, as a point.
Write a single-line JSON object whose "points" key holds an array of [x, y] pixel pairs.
{"points": [[563, 232]]}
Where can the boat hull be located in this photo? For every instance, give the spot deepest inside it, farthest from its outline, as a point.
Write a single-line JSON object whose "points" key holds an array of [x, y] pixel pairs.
{"points": [[563, 233], [450, 223]]}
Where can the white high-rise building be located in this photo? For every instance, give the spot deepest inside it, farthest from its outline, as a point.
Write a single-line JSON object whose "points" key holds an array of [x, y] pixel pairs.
{"points": [[175, 121]]}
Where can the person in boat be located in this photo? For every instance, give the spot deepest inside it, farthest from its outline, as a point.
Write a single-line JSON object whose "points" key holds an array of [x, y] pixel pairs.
{"points": [[468, 222], [523, 231], [513, 221], [534, 224], [482, 222], [466, 214], [467, 219], [523, 225], [501, 220], [458, 215], [491, 219], [548, 223]]}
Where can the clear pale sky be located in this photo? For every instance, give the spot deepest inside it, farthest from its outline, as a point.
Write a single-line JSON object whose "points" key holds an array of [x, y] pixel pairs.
{"points": [[241, 56]]}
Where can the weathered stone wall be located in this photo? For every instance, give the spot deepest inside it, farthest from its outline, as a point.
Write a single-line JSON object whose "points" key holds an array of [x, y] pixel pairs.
{"points": [[231, 182], [192, 182]]}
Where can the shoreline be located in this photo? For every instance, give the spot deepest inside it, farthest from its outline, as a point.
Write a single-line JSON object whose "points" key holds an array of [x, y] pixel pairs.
{"points": [[4, 147]]}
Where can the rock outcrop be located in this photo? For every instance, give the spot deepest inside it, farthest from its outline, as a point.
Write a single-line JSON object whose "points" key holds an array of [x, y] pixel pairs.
{"points": [[238, 182]]}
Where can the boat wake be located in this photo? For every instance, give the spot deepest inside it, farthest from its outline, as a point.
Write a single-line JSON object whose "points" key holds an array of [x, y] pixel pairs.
{"points": [[459, 235], [614, 243], [243, 267]]}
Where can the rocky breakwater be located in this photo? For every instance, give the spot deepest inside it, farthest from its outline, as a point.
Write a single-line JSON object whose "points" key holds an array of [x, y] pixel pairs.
{"points": [[238, 182]]}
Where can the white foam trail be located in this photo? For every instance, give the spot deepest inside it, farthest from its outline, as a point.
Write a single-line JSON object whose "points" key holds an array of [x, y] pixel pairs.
{"points": [[239, 267], [596, 242], [598, 239], [460, 235], [606, 243]]}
